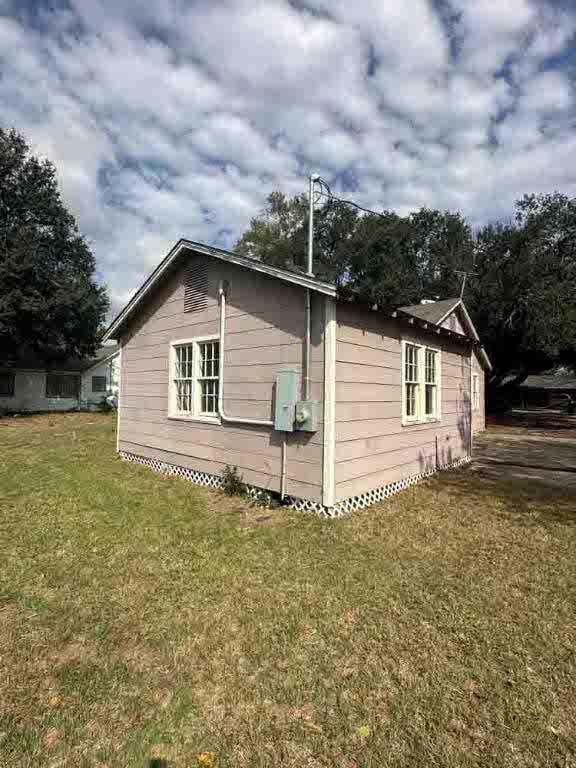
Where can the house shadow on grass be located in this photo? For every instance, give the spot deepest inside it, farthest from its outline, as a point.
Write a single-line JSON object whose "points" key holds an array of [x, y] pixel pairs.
{"points": [[527, 501]]}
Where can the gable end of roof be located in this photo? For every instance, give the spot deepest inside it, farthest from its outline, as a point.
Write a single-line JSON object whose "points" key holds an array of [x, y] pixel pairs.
{"points": [[296, 278]]}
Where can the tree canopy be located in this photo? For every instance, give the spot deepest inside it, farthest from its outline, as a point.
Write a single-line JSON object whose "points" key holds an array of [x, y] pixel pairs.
{"points": [[50, 304], [521, 295]]}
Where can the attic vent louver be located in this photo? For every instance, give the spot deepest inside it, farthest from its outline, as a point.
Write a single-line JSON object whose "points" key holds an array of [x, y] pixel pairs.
{"points": [[196, 286]]}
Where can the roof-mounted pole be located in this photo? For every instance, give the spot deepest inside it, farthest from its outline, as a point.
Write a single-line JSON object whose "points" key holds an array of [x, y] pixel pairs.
{"points": [[308, 340], [313, 179]]}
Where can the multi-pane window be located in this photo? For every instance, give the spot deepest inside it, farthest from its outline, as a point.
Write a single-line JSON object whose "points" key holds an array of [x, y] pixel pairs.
{"points": [[421, 382], [184, 378], [6, 385], [431, 383], [411, 380], [98, 383], [209, 352], [195, 372], [475, 391], [62, 385]]}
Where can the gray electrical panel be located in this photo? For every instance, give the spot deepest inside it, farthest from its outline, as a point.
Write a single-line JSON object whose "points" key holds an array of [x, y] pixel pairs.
{"points": [[287, 391]]}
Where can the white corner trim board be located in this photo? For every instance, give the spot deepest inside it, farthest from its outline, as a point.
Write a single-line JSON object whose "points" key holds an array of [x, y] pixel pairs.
{"points": [[329, 448], [340, 509], [119, 397]]}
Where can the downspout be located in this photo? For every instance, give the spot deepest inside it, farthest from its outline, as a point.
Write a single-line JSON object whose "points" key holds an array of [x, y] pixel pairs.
{"points": [[223, 415]]}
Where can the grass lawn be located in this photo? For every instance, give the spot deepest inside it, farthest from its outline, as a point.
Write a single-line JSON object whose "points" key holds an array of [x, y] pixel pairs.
{"points": [[142, 617]]}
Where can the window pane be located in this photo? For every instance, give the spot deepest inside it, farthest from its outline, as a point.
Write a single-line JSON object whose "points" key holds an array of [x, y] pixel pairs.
{"points": [[209, 396], [411, 363], [431, 366], [62, 385], [411, 399], [6, 385], [98, 383], [430, 399]]}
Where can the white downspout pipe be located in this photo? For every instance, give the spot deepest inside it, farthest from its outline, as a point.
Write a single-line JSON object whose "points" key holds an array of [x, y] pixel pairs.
{"points": [[223, 415]]}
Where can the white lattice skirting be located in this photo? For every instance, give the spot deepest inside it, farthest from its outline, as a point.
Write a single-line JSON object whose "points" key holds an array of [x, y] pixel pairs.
{"points": [[340, 509]]}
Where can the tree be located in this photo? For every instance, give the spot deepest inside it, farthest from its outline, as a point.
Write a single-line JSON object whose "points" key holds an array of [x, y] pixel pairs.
{"points": [[279, 236], [381, 258], [523, 298], [50, 305]]}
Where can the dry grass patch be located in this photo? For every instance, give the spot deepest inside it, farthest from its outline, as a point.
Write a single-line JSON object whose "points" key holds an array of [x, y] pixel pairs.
{"points": [[144, 618]]}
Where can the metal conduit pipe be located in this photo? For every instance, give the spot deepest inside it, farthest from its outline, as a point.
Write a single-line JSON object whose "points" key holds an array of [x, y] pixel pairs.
{"points": [[307, 347], [223, 415]]}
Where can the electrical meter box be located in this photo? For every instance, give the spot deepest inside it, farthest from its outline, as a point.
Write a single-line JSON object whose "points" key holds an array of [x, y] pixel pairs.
{"points": [[287, 392], [306, 415]]}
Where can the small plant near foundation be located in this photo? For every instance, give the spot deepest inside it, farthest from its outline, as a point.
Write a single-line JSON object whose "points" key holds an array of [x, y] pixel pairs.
{"points": [[232, 482], [258, 497]]}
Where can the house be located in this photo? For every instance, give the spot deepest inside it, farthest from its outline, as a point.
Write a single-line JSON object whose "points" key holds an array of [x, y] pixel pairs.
{"points": [[29, 385], [548, 390], [229, 361]]}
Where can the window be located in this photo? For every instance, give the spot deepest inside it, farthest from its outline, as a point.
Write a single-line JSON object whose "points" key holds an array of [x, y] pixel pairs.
{"points": [[6, 385], [62, 385], [420, 383], [195, 369], [475, 391], [99, 384]]}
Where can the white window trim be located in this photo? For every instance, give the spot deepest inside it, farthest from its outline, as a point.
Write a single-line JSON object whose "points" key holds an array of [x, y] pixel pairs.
{"points": [[476, 390], [421, 418], [172, 410]]}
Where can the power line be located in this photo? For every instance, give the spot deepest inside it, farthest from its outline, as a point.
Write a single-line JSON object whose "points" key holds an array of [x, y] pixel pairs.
{"points": [[342, 200]]}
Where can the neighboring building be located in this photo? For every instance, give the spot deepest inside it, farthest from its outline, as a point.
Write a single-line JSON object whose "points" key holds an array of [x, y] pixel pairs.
{"points": [[550, 390], [31, 387], [216, 370]]}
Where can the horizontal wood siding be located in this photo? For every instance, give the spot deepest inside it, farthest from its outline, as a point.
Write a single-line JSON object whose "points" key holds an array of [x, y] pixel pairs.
{"points": [[372, 446], [265, 326]]}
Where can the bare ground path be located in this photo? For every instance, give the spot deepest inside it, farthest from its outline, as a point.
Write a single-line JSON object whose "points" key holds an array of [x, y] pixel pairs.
{"points": [[537, 447]]}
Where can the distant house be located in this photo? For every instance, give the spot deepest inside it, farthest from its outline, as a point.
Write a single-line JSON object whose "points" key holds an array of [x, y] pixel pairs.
{"points": [[548, 390], [229, 361], [30, 386]]}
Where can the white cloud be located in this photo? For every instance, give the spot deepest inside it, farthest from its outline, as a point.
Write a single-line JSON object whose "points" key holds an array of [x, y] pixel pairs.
{"points": [[169, 119]]}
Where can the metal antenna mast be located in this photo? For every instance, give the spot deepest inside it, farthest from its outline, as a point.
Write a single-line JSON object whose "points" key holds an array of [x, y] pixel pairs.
{"points": [[464, 275]]}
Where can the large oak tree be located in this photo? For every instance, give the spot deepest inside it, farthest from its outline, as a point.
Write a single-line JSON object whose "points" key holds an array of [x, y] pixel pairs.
{"points": [[522, 293], [50, 304]]}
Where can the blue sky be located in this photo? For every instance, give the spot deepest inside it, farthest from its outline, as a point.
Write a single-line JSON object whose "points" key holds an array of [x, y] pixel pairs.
{"points": [[168, 118]]}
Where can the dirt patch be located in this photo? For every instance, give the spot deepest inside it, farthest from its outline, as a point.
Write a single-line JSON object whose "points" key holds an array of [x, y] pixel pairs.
{"points": [[544, 423], [527, 455]]}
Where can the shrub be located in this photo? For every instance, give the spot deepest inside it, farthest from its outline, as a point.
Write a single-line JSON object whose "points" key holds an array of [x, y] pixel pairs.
{"points": [[232, 483]]}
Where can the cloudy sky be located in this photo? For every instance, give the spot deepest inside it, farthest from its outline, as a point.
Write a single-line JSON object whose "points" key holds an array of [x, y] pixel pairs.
{"points": [[171, 118]]}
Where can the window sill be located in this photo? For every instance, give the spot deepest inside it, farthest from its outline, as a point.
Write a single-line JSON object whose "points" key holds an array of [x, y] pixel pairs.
{"points": [[200, 419], [420, 422]]}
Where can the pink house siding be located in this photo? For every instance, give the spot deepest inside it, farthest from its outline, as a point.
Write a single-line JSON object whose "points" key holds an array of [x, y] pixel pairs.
{"points": [[373, 448], [265, 326]]}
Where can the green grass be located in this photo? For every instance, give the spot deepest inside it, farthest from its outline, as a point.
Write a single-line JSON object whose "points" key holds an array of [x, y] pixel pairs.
{"points": [[142, 617]]}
